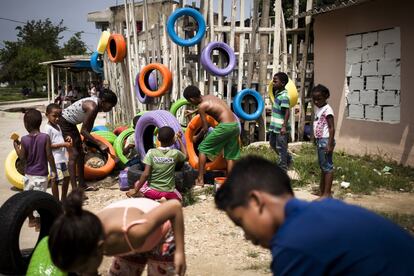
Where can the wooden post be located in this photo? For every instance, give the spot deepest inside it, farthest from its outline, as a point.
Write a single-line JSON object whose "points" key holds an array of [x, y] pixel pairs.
{"points": [[264, 22], [220, 88], [252, 47], [276, 37], [211, 78], [303, 70], [232, 26], [130, 57], [241, 49]]}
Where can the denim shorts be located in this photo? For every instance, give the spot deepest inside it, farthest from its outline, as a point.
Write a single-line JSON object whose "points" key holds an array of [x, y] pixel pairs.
{"points": [[325, 159]]}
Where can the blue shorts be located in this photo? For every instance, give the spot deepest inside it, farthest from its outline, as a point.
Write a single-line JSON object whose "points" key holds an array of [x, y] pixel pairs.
{"points": [[324, 158]]}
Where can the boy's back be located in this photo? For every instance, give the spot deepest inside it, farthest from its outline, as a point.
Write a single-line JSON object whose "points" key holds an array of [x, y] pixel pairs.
{"points": [[217, 108], [36, 157], [162, 162]]}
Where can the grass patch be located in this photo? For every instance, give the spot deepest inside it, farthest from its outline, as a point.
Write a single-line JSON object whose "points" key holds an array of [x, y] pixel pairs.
{"points": [[365, 173], [14, 94]]}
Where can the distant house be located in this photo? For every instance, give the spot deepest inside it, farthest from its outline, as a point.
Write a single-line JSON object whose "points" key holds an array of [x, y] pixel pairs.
{"points": [[363, 54]]}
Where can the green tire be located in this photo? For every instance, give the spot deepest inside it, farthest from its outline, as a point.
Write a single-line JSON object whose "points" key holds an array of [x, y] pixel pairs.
{"points": [[41, 262], [119, 144], [179, 103], [107, 135]]}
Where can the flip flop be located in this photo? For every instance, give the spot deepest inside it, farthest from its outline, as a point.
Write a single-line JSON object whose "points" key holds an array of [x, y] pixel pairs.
{"points": [[90, 188]]}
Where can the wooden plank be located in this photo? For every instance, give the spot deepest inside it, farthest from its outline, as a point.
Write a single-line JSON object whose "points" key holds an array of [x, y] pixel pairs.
{"points": [[220, 85], [211, 38], [240, 75], [232, 35], [276, 37], [268, 30], [252, 46]]}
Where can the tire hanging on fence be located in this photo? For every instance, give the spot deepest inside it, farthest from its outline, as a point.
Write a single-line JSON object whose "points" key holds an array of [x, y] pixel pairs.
{"points": [[238, 106], [208, 64], [198, 17], [166, 79]]}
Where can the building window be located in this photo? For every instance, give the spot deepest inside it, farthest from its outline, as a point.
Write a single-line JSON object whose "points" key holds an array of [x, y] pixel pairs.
{"points": [[373, 75]]}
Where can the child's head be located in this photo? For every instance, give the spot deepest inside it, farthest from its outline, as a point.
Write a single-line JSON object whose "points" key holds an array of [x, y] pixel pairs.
{"points": [[280, 80], [76, 237], [166, 136], [108, 100], [192, 94], [135, 120], [249, 196], [53, 112], [32, 120], [320, 94]]}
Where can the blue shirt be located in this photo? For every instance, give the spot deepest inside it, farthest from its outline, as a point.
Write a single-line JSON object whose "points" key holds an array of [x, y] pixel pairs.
{"points": [[330, 237]]}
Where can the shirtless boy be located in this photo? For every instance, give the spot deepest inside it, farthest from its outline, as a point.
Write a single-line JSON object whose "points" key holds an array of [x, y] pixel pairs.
{"points": [[225, 134]]}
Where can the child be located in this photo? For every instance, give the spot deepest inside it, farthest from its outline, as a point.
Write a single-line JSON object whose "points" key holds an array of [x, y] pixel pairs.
{"points": [[326, 237], [224, 136], [35, 150], [324, 132], [160, 167], [279, 125], [134, 231], [58, 145], [129, 149]]}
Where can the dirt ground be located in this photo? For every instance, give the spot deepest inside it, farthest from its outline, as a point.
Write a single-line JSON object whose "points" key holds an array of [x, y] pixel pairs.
{"points": [[214, 246]]}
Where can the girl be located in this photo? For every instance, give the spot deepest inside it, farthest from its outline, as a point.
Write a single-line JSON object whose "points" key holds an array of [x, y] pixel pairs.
{"points": [[134, 231], [324, 132]]}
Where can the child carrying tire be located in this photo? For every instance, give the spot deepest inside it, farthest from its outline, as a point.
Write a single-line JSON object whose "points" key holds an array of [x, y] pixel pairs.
{"points": [[158, 180]]}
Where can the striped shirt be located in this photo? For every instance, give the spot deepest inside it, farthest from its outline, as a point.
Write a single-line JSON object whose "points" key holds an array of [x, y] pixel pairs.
{"points": [[278, 114]]}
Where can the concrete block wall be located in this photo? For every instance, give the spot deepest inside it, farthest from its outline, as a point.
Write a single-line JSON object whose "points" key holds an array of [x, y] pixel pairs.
{"points": [[373, 74]]}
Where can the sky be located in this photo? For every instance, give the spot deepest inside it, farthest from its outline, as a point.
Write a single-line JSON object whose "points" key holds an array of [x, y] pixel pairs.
{"points": [[73, 12]]}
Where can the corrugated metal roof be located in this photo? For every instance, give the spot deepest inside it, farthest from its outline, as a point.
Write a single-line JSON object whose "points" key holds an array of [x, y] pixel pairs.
{"points": [[328, 8]]}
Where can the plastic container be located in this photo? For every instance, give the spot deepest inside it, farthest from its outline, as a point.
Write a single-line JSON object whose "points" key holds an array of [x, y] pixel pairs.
{"points": [[123, 180], [218, 182]]}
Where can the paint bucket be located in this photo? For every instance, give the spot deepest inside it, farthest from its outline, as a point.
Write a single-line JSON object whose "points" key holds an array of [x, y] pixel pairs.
{"points": [[123, 180], [218, 182]]}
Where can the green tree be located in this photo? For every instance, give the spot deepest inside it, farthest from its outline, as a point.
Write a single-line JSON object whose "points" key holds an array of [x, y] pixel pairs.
{"points": [[74, 46], [37, 41]]}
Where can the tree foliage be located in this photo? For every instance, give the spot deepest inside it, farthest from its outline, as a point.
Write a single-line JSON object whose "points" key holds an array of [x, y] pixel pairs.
{"points": [[37, 41], [74, 46]]}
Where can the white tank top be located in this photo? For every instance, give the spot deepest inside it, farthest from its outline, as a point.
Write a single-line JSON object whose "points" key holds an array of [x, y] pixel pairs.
{"points": [[74, 113]]}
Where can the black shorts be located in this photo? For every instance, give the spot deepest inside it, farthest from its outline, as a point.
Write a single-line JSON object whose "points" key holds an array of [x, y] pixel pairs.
{"points": [[69, 129]]}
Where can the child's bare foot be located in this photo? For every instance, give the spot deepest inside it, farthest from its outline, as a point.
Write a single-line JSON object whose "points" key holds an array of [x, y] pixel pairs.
{"points": [[134, 193]]}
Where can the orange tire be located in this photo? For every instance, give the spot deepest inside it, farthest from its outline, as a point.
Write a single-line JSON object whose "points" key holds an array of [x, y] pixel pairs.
{"points": [[166, 79], [116, 48], [98, 173], [219, 163]]}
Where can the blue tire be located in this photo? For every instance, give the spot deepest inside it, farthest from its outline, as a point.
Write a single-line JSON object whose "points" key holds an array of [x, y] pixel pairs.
{"points": [[96, 64], [238, 109], [99, 128], [197, 17]]}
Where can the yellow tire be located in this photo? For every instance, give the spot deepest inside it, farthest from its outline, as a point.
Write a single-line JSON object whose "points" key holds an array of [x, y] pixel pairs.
{"points": [[292, 92], [14, 177], [103, 42]]}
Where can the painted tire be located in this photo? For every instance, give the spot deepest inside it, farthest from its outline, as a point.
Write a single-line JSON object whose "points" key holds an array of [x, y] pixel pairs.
{"points": [[291, 89], [107, 135], [119, 130], [197, 17], [98, 173], [96, 63], [166, 79], [195, 124], [12, 175], [103, 42], [238, 109], [119, 144], [144, 130], [41, 263], [116, 48], [99, 127], [13, 214], [152, 82], [177, 105], [208, 64]]}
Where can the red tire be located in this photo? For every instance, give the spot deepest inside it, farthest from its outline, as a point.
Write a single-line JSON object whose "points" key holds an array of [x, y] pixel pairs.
{"points": [[116, 48], [98, 173], [119, 129], [166, 79]]}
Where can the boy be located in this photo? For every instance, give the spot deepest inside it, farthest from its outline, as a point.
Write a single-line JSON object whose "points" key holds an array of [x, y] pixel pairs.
{"points": [[36, 151], [224, 136], [279, 124], [84, 111], [326, 237], [59, 146], [324, 132], [160, 167], [129, 149]]}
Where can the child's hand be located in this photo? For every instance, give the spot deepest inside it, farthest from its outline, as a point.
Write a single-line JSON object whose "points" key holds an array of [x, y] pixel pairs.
{"points": [[179, 263], [179, 135], [188, 113], [16, 142], [69, 140], [329, 148], [52, 176]]}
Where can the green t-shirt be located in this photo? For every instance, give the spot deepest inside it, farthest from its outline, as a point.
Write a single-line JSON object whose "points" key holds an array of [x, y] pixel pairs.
{"points": [[282, 102], [162, 162]]}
